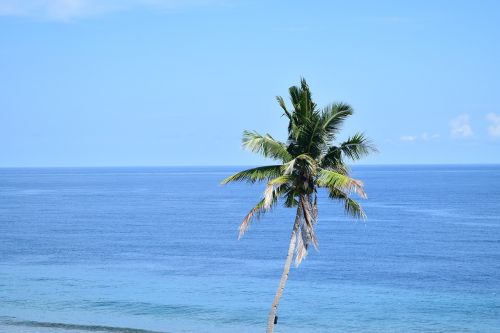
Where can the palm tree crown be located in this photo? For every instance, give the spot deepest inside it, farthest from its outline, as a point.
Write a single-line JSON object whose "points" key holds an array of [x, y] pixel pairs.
{"points": [[311, 159]]}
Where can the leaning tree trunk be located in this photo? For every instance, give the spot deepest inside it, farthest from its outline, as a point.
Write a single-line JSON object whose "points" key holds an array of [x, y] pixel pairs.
{"points": [[284, 276]]}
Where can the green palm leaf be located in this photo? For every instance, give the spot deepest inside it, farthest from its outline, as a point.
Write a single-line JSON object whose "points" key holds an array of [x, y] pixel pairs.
{"points": [[357, 146], [351, 207], [333, 116], [265, 145], [282, 104], [335, 180], [255, 174], [306, 162]]}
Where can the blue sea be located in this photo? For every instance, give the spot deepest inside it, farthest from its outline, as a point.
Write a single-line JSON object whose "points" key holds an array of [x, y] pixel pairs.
{"points": [[155, 250]]}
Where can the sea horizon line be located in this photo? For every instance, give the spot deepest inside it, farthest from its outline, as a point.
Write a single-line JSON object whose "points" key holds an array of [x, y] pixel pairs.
{"points": [[231, 165]]}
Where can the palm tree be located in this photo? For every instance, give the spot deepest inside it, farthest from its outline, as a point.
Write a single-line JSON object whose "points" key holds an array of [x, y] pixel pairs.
{"points": [[310, 159]]}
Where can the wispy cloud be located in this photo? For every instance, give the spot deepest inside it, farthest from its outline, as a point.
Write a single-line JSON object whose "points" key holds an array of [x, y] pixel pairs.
{"points": [[460, 126], [422, 137], [494, 128], [409, 138], [67, 10], [427, 137]]}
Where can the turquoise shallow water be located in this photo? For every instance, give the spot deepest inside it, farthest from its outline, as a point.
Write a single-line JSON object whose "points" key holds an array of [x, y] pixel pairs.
{"points": [[155, 249]]}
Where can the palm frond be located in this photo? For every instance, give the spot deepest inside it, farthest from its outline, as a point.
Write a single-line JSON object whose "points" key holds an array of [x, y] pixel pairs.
{"points": [[303, 108], [312, 136], [351, 207], [282, 104], [333, 117], [307, 162], [265, 145], [333, 159], [255, 174], [333, 179], [357, 146], [295, 96], [271, 195], [274, 188], [280, 180], [305, 234], [254, 212], [306, 102]]}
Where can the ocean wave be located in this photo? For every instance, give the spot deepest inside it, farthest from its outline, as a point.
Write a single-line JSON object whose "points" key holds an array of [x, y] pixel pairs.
{"points": [[80, 327]]}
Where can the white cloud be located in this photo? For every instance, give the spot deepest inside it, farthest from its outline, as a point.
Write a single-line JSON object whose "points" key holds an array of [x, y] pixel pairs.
{"points": [[422, 137], [494, 128], [408, 138], [460, 126], [66, 10], [427, 137]]}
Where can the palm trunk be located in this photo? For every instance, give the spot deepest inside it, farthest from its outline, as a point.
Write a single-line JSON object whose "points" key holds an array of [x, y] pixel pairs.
{"points": [[284, 276]]}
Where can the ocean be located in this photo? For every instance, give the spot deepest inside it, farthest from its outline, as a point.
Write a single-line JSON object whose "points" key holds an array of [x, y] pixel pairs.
{"points": [[155, 250]]}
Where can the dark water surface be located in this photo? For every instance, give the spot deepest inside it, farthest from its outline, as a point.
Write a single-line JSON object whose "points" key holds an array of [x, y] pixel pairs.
{"points": [[156, 249]]}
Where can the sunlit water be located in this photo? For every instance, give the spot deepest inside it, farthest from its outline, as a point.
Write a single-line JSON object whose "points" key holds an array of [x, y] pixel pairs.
{"points": [[156, 249]]}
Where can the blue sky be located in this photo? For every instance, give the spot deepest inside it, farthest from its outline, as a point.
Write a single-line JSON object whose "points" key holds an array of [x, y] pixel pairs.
{"points": [[166, 82]]}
